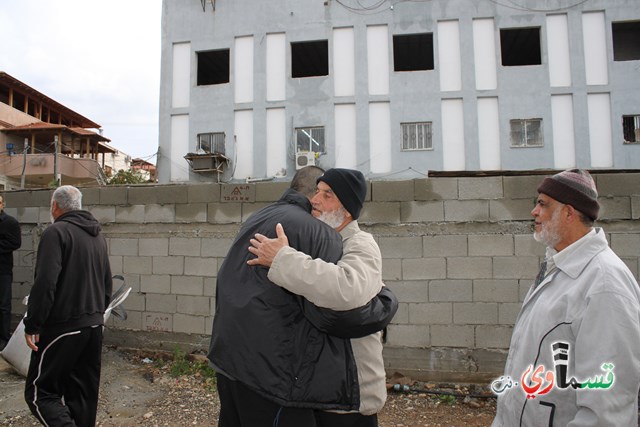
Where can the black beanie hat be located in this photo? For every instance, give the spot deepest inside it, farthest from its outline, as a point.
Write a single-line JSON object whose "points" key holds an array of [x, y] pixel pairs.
{"points": [[573, 187], [350, 187]]}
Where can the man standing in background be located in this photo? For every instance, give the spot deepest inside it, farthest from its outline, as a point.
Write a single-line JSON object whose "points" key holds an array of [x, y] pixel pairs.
{"points": [[10, 240], [65, 315]]}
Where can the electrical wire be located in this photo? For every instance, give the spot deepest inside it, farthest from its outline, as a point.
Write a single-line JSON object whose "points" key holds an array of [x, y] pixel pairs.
{"points": [[520, 7]]}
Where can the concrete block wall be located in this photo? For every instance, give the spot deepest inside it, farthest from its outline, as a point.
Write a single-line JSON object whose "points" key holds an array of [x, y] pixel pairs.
{"points": [[457, 251]]}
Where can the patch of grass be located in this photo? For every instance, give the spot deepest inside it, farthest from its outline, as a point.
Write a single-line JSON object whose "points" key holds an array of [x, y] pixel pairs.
{"points": [[185, 365], [447, 398]]}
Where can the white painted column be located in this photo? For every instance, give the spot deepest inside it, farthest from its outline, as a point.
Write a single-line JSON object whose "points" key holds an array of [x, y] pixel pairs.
{"points": [[243, 131], [449, 56], [489, 134], [595, 48], [558, 51], [276, 142], [600, 140], [378, 59], [276, 65], [453, 150], [380, 137], [243, 70], [564, 143], [179, 148], [181, 75], [344, 64], [345, 137], [484, 54]]}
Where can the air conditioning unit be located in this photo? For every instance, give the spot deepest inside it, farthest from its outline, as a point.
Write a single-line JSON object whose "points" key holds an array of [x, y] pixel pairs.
{"points": [[305, 158]]}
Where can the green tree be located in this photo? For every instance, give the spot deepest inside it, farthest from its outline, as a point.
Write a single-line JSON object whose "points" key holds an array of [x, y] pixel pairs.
{"points": [[129, 176]]}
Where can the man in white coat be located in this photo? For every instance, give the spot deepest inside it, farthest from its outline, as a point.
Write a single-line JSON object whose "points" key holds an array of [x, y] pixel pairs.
{"points": [[574, 358], [350, 283]]}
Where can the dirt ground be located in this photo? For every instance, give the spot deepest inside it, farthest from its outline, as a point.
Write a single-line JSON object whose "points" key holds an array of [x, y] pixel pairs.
{"points": [[136, 390]]}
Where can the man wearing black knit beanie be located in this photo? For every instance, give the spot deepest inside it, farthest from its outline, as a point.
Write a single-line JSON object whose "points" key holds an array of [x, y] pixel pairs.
{"points": [[579, 322], [350, 283]]}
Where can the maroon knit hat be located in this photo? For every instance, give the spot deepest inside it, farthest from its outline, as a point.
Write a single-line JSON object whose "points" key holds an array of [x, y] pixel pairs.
{"points": [[573, 187]]}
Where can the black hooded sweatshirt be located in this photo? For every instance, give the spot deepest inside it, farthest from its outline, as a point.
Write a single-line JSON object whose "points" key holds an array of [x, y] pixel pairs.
{"points": [[72, 286]]}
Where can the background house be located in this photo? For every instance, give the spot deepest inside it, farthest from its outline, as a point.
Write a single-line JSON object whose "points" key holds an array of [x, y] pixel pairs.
{"points": [[41, 139], [397, 88]]}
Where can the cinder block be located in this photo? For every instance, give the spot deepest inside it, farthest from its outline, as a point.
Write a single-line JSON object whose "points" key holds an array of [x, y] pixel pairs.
{"points": [[156, 284], [380, 213], [197, 306], [137, 265], [391, 269], [452, 335], [410, 291], [401, 247], [618, 184], [271, 191], [469, 268], [203, 193], [492, 336], [438, 188], [522, 187], [133, 321], [189, 246], [210, 286], [173, 265], [525, 285], [431, 313], [44, 216], [392, 191], [18, 198], [196, 266], [510, 210], [224, 213], [188, 324], [635, 207], [444, 245], [424, 268], [126, 247], [158, 246], [41, 197], [142, 195], [187, 285], [480, 188], [133, 214], [249, 209], [26, 215], [90, 196], [104, 214], [158, 322], [422, 211], [526, 245], [614, 208], [237, 193], [466, 210], [402, 315], [216, 247], [135, 301], [490, 244], [117, 264], [508, 312], [161, 303], [408, 335], [625, 245], [496, 290], [633, 265], [130, 280], [171, 194], [476, 313], [515, 267], [450, 290], [113, 195], [159, 213], [208, 324]]}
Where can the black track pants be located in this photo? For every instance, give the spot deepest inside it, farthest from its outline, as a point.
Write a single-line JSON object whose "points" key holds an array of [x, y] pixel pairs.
{"points": [[64, 377]]}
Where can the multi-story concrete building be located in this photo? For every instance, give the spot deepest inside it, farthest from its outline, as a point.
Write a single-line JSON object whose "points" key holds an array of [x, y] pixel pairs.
{"points": [[397, 88]]}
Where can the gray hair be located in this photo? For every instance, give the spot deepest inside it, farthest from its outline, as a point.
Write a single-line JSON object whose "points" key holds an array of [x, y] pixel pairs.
{"points": [[305, 180], [68, 198]]}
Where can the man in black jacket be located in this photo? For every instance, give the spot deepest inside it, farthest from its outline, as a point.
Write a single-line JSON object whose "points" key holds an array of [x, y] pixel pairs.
{"points": [[278, 356], [65, 315], [10, 240]]}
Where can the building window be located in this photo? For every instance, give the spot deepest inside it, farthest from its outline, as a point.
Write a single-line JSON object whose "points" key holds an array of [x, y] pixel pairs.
{"points": [[310, 139], [213, 67], [626, 40], [211, 142], [309, 59], [526, 133], [631, 129], [520, 46], [413, 52], [416, 136]]}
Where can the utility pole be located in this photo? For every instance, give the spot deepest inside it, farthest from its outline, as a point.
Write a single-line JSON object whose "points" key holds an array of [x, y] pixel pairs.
{"points": [[24, 162], [55, 161]]}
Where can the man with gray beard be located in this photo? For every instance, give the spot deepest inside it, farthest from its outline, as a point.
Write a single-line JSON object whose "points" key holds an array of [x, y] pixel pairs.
{"points": [[574, 358], [355, 279]]}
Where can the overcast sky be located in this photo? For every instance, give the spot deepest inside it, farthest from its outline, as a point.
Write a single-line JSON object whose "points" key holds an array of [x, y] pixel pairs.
{"points": [[100, 58]]}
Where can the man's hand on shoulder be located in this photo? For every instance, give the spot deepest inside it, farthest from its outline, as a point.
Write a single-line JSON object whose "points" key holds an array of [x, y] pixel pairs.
{"points": [[266, 249]]}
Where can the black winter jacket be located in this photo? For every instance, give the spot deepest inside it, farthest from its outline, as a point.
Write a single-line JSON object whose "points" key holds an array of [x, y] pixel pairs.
{"points": [[72, 286], [10, 240], [277, 343]]}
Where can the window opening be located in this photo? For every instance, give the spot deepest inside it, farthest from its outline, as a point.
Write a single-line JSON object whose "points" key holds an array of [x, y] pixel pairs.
{"points": [[520, 46], [526, 133], [626, 40], [631, 129], [310, 139], [211, 142], [416, 136], [413, 52], [309, 59], [213, 67]]}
